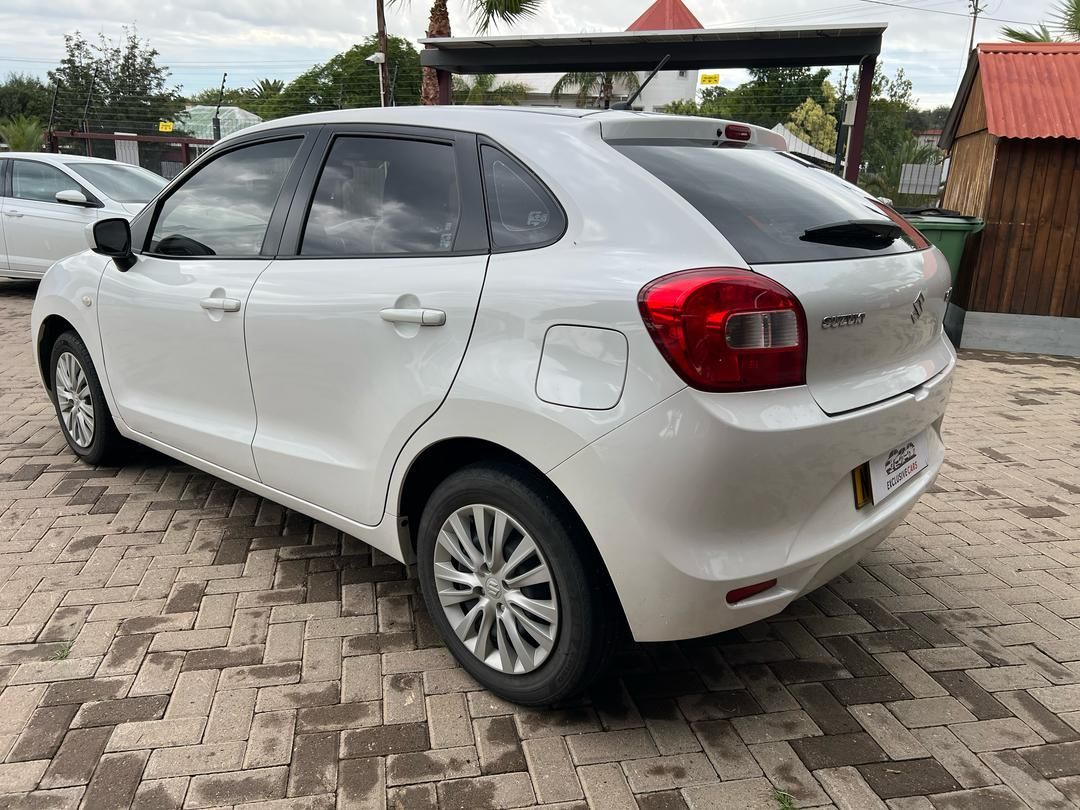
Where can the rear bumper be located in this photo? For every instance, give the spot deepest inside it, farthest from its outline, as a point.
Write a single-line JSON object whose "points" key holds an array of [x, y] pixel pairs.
{"points": [[705, 493]]}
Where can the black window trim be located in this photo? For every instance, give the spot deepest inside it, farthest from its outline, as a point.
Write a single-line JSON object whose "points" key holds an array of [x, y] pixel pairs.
{"points": [[5, 164], [9, 183], [472, 226], [484, 140], [146, 222]]}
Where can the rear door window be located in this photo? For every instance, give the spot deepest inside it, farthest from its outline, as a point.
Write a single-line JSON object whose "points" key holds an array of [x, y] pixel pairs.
{"points": [[771, 207]]}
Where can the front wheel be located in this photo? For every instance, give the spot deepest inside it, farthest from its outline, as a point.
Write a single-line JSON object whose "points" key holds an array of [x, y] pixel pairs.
{"points": [[513, 584], [80, 403]]}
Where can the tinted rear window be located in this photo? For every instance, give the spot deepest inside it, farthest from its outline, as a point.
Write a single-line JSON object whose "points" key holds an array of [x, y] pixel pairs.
{"points": [[763, 202]]}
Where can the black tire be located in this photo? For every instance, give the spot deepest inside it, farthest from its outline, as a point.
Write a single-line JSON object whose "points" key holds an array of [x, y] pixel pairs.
{"points": [[588, 616], [107, 444]]}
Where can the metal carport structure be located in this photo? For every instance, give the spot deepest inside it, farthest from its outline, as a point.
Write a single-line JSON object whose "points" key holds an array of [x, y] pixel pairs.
{"points": [[808, 46]]}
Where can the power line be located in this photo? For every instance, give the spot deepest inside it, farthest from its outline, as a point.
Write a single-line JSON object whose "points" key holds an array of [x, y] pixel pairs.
{"points": [[943, 11]]}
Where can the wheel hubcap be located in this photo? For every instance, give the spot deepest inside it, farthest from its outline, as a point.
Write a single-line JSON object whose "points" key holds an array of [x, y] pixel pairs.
{"points": [[73, 396], [496, 589]]}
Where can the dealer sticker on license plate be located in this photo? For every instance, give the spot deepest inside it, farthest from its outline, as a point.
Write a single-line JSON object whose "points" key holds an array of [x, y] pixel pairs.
{"points": [[890, 470]]}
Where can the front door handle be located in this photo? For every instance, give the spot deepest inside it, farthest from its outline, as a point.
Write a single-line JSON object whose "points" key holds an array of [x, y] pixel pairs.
{"points": [[220, 304], [13, 213], [420, 316]]}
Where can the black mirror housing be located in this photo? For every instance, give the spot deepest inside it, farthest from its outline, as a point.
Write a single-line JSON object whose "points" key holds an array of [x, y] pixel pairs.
{"points": [[112, 238]]}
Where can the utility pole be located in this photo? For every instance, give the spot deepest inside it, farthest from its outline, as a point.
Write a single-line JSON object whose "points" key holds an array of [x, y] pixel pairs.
{"points": [[86, 113], [384, 78], [976, 9], [217, 110]]}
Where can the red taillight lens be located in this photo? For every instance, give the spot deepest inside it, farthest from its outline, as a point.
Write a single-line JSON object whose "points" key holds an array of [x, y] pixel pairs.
{"points": [[727, 330], [745, 592], [910, 231], [737, 132]]}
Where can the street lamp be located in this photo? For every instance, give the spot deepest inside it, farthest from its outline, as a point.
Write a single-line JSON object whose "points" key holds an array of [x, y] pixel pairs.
{"points": [[379, 59]]}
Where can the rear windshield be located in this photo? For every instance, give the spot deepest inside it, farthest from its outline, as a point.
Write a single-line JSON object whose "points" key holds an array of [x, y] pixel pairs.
{"points": [[764, 202]]}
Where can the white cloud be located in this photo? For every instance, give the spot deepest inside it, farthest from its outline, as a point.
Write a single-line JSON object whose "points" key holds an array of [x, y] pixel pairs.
{"points": [[251, 39]]}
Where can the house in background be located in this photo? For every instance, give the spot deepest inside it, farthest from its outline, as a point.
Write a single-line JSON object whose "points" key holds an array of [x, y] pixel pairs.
{"points": [[668, 86], [1013, 135]]}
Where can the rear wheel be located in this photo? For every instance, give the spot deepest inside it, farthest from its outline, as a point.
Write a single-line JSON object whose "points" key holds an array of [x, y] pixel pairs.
{"points": [[80, 403], [513, 584]]}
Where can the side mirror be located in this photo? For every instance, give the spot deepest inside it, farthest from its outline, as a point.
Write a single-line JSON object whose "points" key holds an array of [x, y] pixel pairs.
{"points": [[72, 197], [112, 238]]}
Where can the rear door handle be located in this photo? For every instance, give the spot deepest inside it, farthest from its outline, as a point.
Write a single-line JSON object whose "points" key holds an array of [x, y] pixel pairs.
{"points": [[421, 316], [13, 213], [220, 304]]}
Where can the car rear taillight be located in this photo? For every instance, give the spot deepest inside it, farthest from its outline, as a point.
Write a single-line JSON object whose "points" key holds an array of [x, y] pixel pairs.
{"points": [[724, 329], [910, 231]]}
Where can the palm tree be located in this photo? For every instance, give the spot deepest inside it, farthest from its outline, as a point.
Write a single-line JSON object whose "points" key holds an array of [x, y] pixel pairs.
{"points": [[485, 13], [598, 86], [483, 90], [886, 181], [267, 88], [22, 133], [1065, 25]]}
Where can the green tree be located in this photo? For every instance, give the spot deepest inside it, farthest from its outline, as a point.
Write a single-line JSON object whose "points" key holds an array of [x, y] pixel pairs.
{"points": [[484, 88], [349, 81], [22, 133], [887, 130], [232, 97], [128, 89], [24, 95], [484, 13], [598, 88], [768, 99], [810, 122], [922, 120], [267, 88], [713, 103], [884, 181], [1064, 25]]}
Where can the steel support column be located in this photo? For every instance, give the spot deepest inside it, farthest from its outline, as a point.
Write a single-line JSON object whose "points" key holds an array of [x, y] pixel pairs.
{"points": [[445, 85], [862, 109]]}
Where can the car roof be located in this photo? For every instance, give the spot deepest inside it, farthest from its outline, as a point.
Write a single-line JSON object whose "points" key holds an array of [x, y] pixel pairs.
{"points": [[62, 159]]}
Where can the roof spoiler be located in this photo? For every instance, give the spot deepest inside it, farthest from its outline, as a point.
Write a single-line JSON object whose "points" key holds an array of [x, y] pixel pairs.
{"points": [[645, 126]]}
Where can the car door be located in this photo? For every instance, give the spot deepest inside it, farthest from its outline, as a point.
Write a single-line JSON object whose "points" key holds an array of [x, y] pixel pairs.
{"points": [[3, 198], [40, 231], [172, 326], [353, 341]]}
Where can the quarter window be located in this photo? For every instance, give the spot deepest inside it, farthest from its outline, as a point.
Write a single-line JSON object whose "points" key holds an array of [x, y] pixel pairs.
{"points": [[224, 208], [31, 180], [384, 196], [521, 212]]}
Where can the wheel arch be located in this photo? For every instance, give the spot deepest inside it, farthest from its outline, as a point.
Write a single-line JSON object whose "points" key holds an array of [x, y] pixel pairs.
{"points": [[435, 462], [52, 327]]}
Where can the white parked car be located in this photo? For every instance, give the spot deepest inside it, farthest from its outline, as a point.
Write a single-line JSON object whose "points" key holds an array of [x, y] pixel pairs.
{"points": [[586, 369], [47, 200]]}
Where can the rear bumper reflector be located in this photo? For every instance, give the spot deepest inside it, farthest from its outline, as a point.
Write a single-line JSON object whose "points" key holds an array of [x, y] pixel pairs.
{"points": [[860, 479], [746, 591]]}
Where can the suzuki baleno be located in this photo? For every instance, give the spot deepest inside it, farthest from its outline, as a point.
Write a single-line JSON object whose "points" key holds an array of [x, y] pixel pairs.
{"points": [[587, 370]]}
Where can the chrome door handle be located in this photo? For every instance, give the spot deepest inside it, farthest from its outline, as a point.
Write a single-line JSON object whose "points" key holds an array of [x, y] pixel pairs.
{"points": [[220, 304], [420, 316]]}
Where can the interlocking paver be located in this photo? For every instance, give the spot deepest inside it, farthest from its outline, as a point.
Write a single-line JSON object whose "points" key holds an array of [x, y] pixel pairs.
{"points": [[169, 641]]}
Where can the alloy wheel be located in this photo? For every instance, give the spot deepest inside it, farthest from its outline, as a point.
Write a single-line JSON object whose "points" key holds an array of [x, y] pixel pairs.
{"points": [[73, 397], [496, 589]]}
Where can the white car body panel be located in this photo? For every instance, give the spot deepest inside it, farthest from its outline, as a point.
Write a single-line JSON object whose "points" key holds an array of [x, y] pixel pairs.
{"points": [[685, 494], [178, 372], [356, 386]]}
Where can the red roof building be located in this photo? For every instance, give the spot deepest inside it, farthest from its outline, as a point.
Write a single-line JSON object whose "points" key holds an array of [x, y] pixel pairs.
{"points": [[666, 15], [1013, 136]]}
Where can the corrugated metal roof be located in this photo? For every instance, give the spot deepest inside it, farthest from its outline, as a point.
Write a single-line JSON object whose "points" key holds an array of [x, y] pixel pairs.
{"points": [[1032, 90], [666, 15]]}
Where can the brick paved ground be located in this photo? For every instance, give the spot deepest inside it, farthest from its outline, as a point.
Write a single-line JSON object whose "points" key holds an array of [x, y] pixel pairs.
{"points": [[167, 641]]}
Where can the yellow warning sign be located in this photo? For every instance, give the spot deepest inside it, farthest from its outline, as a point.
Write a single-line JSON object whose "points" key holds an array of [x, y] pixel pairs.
{"points": [[165, 126], [710, 78]]}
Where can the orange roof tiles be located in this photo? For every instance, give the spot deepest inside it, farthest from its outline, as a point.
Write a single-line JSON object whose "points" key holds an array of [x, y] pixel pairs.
{"points": [[1032, 90], [666, 15]]}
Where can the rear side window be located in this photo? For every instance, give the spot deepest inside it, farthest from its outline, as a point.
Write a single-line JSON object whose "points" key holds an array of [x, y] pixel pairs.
{"points": [[522, 213], [384, 196], [768, 205]]}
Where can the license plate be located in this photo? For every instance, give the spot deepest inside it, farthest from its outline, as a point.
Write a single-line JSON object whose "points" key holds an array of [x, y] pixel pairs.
{"points": [[891, 470]]}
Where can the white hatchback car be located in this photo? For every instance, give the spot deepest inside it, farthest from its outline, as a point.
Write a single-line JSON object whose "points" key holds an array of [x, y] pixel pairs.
{"points": [[582, 368], [47, 200]]}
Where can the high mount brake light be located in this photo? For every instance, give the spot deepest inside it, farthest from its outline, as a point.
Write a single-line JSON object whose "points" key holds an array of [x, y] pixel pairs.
{"points": [[724, 329]]}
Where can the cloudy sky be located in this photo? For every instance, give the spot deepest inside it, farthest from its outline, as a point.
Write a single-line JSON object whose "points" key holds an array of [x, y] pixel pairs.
{"points": [[252, 39]]}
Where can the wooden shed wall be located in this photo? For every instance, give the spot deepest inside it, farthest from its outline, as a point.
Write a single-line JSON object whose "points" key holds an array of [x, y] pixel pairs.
{"points": [[970, 170], [1027, 260]]}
